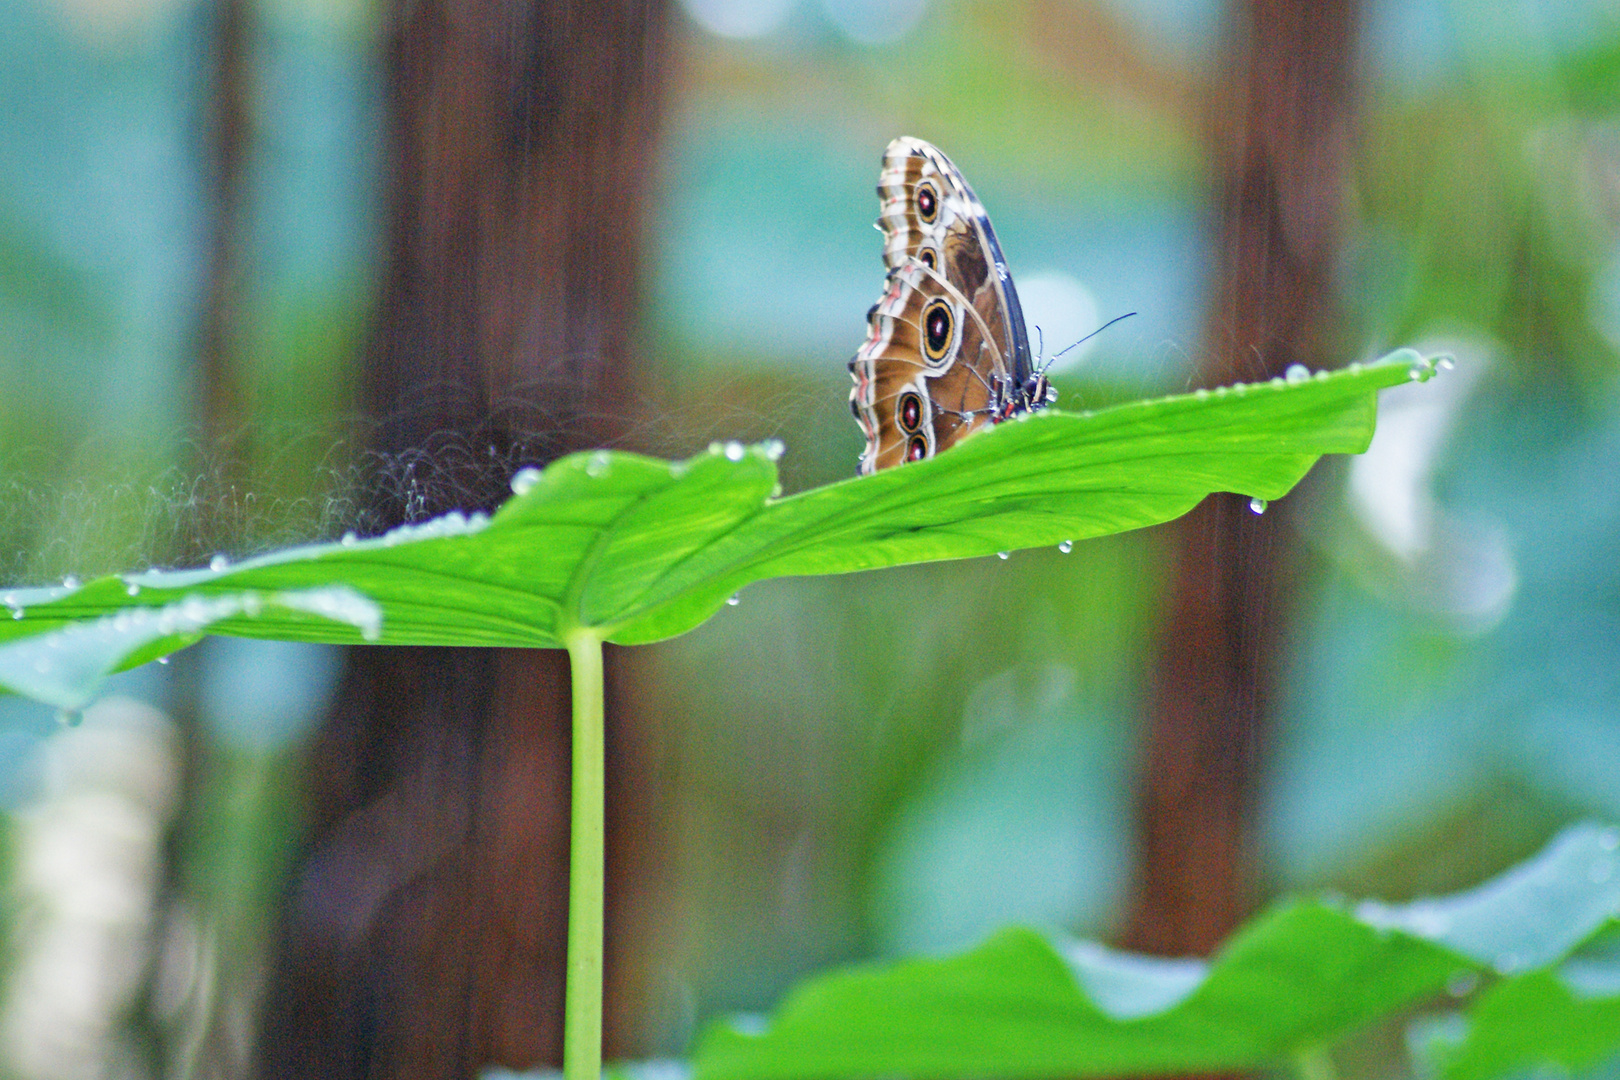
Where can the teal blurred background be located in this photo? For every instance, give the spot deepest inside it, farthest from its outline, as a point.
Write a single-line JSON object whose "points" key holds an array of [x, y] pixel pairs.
{"points": [[852, 767]]}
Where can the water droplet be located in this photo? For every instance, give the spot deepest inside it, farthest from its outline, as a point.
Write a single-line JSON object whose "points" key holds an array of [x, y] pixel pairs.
{"points": [[1417, 372], [218, 562], [1445, 363], [349, 539], [70, 582], [1600, 871], [523, 480], [1240, 388], [16, 613], [1003, 555], [774, 449], [70, 717], [776, 491], [163, 659], [1277, 380], [1353, 366], [598, 464], [1258, 505], [1297, 373], [715, 448], [1461, 983], [733, 600], [1066, 546], [735, 451], [132, 589], [1201, 393]]}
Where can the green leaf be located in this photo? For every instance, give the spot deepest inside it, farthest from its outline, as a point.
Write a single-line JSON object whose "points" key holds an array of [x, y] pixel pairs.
{"points": [[1298, 977], [1528, 918], [1568, 1016], [633, 549], [65, 667]]}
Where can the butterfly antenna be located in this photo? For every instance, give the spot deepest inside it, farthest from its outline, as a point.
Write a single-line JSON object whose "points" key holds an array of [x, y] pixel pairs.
{"points": [[1054, 358]]}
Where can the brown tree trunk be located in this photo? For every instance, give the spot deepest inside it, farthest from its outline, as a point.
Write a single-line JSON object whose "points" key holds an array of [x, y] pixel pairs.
{"points": [[1280, 150], [221, 401], [424, 930]]}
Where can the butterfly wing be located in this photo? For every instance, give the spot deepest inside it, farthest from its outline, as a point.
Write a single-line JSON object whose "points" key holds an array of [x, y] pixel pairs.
{"points": [[924, 376], [946, 345]]}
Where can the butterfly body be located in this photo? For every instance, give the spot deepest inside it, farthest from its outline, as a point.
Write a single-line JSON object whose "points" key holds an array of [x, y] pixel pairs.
{"points": [[946, 352]]}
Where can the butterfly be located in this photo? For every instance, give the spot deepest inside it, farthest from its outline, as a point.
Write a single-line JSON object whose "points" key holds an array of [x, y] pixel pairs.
{"points": [[946, 353]]}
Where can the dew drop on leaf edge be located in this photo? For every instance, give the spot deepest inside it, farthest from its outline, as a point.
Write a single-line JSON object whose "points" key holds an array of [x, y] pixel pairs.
{"points": [[1258, 505], [524, 479], [1066, 546]]}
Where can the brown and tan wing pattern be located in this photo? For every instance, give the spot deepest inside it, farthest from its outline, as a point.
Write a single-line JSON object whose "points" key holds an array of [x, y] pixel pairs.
{"points": [[916, 392], [946, 352]]}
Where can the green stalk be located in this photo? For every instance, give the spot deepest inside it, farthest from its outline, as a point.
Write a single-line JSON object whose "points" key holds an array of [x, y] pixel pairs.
{"points": [[582, 1008]]}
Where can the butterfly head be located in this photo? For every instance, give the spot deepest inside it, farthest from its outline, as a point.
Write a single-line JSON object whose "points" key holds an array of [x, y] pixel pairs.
{"points": [[1040, 391], [1035, 392]]}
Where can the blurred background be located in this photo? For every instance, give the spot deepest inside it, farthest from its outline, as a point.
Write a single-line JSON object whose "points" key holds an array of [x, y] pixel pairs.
{"points": [[272, 270]]}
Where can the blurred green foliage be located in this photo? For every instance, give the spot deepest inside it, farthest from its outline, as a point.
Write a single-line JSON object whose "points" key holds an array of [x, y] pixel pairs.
{"points": [[1285, 989], [825, 752]]}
